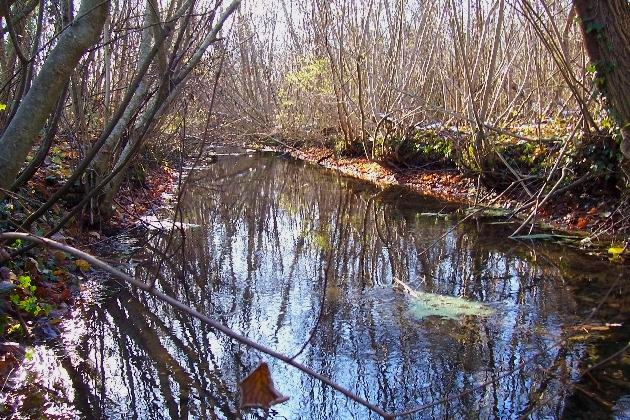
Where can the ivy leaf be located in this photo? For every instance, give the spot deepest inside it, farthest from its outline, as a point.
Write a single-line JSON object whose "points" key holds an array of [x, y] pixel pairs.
{"points": [[82, 265]]}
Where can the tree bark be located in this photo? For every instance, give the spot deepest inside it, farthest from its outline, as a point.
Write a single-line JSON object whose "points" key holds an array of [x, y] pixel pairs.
{"points": [[154, 110], [23, 130], [605, 25]]}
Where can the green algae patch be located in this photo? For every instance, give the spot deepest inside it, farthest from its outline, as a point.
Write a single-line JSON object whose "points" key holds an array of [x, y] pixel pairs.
{"points": [[448, 307], [425, 304]]}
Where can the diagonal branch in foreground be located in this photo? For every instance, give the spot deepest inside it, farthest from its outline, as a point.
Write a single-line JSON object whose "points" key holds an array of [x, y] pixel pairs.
{"points": [[184, 308]]}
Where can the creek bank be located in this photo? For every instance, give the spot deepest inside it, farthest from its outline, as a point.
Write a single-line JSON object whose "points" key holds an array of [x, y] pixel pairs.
{"points": [[597, 221], [40, 288]]}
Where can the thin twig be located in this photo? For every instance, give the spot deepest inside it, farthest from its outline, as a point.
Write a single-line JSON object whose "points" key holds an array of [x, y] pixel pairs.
{"points": [[538, 205]]}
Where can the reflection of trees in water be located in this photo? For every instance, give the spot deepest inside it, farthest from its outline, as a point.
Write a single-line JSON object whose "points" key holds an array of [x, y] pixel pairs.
{"points": [[143, 368], [277, 239]]}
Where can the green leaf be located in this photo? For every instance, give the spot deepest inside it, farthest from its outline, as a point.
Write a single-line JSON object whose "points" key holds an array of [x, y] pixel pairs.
{"points": [[3, 106], [15, 299], [616, 250], [15, 329], [25, 281]]}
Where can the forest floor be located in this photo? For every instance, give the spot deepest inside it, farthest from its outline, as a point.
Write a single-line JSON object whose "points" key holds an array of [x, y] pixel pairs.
{"points": [[39, 287], [600, 222]]}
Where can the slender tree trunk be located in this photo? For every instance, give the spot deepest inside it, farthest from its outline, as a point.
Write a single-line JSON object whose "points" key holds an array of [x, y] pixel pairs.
{"points": [[23, 130], [102, 162], [606, 28], [44, 147], [154, 110]]}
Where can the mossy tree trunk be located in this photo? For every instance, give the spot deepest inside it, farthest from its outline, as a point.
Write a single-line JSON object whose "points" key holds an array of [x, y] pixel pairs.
{"points": [[606, 28]]}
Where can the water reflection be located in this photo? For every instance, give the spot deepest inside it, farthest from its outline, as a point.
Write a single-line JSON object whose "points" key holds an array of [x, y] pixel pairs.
{"points": [[293, 256]]}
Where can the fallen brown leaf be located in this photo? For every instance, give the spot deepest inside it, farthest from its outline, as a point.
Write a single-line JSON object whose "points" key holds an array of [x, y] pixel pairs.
{"points": [[257, 389]]}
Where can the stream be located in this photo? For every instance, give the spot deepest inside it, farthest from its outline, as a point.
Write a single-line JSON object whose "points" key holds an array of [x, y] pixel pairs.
{"points": [[305, 261]]}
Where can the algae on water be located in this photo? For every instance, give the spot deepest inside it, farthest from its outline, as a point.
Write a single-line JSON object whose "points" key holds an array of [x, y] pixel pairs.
{"points": [[425, 304], [449, 307]]}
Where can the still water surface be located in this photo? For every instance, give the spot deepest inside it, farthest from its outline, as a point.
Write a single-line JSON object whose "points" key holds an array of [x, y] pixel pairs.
{"points": [[293, 256]]}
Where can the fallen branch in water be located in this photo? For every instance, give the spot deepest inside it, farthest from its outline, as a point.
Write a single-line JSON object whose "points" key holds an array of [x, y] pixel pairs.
{"points": [[405, 287], [184, 308], [289, 360]]}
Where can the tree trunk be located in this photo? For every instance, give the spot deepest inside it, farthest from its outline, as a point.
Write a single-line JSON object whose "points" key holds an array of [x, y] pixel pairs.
{"points": [[606, 28], [23, 130], [157, 107]]}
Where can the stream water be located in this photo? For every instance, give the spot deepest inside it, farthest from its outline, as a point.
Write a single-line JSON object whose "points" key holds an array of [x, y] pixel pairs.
{"points": [[294, 256]]}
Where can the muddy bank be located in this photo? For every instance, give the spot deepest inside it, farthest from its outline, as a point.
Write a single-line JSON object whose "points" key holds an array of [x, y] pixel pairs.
{"points": [[598, 219]]}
